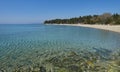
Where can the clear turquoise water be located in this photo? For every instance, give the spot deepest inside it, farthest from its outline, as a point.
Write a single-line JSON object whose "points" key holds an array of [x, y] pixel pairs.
{"points": [[28, 44]]}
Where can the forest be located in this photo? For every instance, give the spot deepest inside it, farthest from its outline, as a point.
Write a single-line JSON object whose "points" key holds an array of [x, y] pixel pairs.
{"points": [[105, 18]]}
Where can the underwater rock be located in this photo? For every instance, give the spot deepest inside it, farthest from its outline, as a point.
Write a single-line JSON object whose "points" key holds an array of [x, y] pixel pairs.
{"points": [[54, 60], [2, 71], [72, 54], [117, 62], [36, 69], [42, 69], [62, 70], [49, 67], [70, 61], [114, 66], [31, 68], [73, 68]]}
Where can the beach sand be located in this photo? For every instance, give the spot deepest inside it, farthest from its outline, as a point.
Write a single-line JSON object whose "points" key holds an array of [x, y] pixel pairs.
{"points": [[115, 28]]}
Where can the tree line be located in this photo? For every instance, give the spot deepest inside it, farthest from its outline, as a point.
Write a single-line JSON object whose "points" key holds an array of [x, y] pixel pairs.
{"points": [[106, 18]]}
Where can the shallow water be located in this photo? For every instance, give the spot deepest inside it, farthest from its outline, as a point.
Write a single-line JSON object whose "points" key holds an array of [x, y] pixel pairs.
{"points": [[31, 44]]}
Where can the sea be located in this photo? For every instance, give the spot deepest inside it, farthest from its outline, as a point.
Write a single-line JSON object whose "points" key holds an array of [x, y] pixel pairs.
{"points": [[27, 46]]}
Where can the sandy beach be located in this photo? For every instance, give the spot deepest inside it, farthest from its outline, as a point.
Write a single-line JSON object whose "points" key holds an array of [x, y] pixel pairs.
{"points": [[115, 28]]}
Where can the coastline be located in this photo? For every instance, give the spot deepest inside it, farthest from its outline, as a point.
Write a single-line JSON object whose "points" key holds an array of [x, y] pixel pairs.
{"points": [[114, 28]]}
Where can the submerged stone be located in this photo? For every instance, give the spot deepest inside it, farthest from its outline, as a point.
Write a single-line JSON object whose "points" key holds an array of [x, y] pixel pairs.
{"points": [[73, 68], [36, 69], [42, 69]]}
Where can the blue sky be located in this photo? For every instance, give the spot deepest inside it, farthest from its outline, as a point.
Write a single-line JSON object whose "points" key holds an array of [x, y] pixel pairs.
{"points": [[36, 11]]}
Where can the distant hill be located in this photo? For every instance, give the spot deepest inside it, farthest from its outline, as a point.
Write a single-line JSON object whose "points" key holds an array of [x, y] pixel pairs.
{"points": [[106, 18]]}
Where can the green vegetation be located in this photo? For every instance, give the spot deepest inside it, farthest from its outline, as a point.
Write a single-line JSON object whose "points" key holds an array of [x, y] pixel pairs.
{"points": [[106, 18]]}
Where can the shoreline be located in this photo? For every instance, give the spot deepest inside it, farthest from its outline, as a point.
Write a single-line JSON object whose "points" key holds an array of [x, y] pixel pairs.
{"points": [[114, 28]]}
